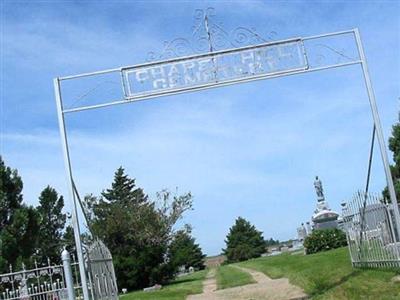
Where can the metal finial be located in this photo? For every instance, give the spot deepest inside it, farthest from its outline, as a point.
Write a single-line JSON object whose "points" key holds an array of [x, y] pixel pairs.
{"points": [[206, 25]]}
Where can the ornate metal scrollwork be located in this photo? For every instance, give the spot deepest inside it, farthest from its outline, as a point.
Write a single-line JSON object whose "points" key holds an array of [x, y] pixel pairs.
{"points": [[209, 35], [5, 279], [341, 55], [242, 36], [326, 54]]}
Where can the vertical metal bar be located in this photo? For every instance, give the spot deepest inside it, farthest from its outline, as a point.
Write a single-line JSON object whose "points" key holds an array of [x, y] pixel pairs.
{"points": [[379, 131], [211, 49], [381, 219], [376, 245], [358, 206], [354, 245], [371, 154], [66, 259], [391, 227], [90, 278], [67, 162]]}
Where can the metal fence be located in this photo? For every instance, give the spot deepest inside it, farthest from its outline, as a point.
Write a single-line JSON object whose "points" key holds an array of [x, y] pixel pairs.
{"points": [[372, 233], [39, 283], [62, 281]]}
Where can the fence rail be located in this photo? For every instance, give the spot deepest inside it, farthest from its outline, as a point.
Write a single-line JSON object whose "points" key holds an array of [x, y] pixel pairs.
{"points": [[371, 230], [39, 283], [50, 282]]}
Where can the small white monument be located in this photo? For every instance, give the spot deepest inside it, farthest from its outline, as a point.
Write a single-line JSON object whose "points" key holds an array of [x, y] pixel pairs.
{"points": [[301, 233]]}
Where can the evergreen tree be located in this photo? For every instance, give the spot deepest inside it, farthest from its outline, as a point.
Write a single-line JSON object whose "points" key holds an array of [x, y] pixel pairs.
{"points": [[271, 242], [68, 239], [10, 193], [136, 231], [19, 223], [394, 146], [243, 241], [123, 190], [184, 251], [19, 238], [52, 222]]}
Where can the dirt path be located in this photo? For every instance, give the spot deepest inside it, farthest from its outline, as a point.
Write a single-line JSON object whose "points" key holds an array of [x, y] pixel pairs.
{"points": [[265, 288]]}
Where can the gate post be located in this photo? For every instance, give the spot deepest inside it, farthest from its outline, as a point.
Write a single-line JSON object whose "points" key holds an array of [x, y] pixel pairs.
{"points": [[67, 163], [379, 134], [69, 281]]}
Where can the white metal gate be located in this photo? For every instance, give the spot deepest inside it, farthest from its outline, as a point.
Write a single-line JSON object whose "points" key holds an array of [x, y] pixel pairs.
{"points": [[46, 282], [371, 231], [101, 272]]}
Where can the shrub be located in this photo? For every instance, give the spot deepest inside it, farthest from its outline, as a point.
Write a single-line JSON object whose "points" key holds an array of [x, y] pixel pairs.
{"points": [[324, 239]]}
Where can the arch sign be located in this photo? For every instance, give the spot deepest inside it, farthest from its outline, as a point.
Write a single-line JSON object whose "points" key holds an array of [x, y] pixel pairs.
{"points": [[259, 59]]}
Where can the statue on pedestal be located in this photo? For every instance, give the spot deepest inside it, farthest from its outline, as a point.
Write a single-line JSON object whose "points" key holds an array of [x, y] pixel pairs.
{"points": [[323, 216], [318, 189]]}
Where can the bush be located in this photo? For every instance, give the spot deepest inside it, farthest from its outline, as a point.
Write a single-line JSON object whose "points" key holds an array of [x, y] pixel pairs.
{"points": [[324, 239]]}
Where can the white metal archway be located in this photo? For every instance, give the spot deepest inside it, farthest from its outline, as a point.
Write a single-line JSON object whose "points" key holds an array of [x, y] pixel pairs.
{"points": [[215, 68]]}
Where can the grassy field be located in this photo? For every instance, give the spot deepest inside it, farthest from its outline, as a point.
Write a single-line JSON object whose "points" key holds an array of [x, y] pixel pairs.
{"points": [[228, 276], [325, 275], [329, 275], [178, 290]]}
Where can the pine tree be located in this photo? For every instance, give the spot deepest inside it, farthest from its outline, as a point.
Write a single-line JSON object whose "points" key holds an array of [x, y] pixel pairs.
{"points": [[19, 223], [68, 240], [52, 222], [184, 251], [271, 242], [123, 190], [10, 193], [136, 231], [243, 241]]}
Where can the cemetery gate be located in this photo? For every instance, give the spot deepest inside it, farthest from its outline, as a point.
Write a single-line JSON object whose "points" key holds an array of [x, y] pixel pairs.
{"points": [[41, 281], [101, 272], [216, 58], [51, 281]]}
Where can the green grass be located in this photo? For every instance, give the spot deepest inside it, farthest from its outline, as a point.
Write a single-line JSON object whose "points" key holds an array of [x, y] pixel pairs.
{"points": [[228, 276], [329, 275], [177, 290]]}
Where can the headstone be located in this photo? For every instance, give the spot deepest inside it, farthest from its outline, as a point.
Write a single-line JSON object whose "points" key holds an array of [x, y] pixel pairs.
{"points": [[155, 287]]}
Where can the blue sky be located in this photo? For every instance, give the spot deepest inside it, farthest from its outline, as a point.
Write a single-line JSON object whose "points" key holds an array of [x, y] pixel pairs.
{"points": [[248, 150]]}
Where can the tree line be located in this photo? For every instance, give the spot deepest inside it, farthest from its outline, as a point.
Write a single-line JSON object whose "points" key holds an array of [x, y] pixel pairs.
{"points": [[139, 232], [29, 233]]}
